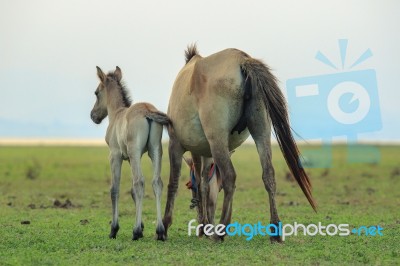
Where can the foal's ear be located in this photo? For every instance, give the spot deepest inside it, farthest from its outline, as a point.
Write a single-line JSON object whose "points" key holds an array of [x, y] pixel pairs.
{"points": [[101, 74], [118, 73]]}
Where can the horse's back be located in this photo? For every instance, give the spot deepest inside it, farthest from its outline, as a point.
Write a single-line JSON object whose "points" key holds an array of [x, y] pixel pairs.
{"points": [[208, 92], [203, 74], [219, 77]]}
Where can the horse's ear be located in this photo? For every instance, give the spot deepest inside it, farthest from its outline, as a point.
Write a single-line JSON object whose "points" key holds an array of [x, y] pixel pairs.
{"points": [[188, 162], [101, 74], [118, 73]]}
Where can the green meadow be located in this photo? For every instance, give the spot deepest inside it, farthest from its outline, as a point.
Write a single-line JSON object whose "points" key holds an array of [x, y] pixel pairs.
{"points": [[55, 209]]}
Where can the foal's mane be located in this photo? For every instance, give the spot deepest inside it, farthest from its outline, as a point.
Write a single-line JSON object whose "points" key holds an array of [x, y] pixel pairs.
{"points": [[190, 51], [126, 98]]}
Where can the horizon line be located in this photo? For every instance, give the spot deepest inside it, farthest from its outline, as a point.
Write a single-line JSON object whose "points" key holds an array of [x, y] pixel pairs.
{"points": [[56, 141]]}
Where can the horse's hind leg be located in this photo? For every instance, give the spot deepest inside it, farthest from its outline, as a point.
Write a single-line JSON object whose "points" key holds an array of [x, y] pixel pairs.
{"points": [[155, 153], [217, 134], [115, 162], [220, 153], [175, 151], [260, 129]]}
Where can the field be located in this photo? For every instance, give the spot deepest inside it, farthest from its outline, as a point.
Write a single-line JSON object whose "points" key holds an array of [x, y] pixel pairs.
{"points": [[55, 209]]}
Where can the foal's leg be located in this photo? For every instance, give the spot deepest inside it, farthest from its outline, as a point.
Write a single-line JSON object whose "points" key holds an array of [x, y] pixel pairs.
{"points": [[260, 129], [136, 147], [204, 189], [212, 198], [155, 153], [137, 192], [115, 162], [197, 195], [175, 151]]}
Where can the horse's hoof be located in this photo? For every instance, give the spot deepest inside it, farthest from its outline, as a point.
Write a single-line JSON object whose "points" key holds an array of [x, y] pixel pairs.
{"points": [[137, 234], [216, 238], [114, 231], [276, 239], [167, 221], [142, 226]]}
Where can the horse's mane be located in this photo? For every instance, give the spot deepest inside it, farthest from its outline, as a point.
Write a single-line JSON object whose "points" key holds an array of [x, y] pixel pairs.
{"points": [[190, 51], [126, 98]]}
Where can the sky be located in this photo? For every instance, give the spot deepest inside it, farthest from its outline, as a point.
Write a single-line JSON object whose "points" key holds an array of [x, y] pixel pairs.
{"points": [[49, 51]]}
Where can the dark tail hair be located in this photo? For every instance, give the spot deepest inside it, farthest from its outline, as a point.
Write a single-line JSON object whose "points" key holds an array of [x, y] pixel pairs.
{"points": [[260, 80], [159, 117]]}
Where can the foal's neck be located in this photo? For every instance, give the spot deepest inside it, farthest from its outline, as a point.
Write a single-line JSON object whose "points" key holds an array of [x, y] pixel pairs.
{"points": [[115, 102]]}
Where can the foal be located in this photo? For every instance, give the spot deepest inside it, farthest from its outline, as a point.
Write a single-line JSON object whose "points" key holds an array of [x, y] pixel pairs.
{"points": [[204, 175], [205, 179], [132, 131]]}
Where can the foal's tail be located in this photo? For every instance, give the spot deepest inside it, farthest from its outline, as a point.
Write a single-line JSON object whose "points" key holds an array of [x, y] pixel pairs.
{"points": [[159, 117], [259, 81]]}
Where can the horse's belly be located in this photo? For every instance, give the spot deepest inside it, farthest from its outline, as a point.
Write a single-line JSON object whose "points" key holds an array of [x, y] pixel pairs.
{"points": [[192, 137], [194, 140], [235, 139]]}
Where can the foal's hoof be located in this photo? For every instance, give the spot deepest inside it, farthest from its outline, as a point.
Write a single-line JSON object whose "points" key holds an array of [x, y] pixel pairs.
{"points": [[114, 231], [161, 237], [161, 234], [138, 233]]}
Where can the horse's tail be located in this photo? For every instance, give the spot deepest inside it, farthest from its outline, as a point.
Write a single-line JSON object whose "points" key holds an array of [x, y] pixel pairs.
{"points": [[159, 117], [259, 81]]}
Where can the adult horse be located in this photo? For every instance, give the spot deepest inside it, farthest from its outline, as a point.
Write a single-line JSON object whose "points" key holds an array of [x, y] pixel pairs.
{"points": [[132, 131], [215, 104]]}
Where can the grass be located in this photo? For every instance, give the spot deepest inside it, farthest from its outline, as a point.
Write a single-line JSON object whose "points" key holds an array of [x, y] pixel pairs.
{"points": [[63, 192]]}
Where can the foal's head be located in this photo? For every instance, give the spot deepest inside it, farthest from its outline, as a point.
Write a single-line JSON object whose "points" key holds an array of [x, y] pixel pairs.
{"points": [[108, 83], [189, 162]]}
